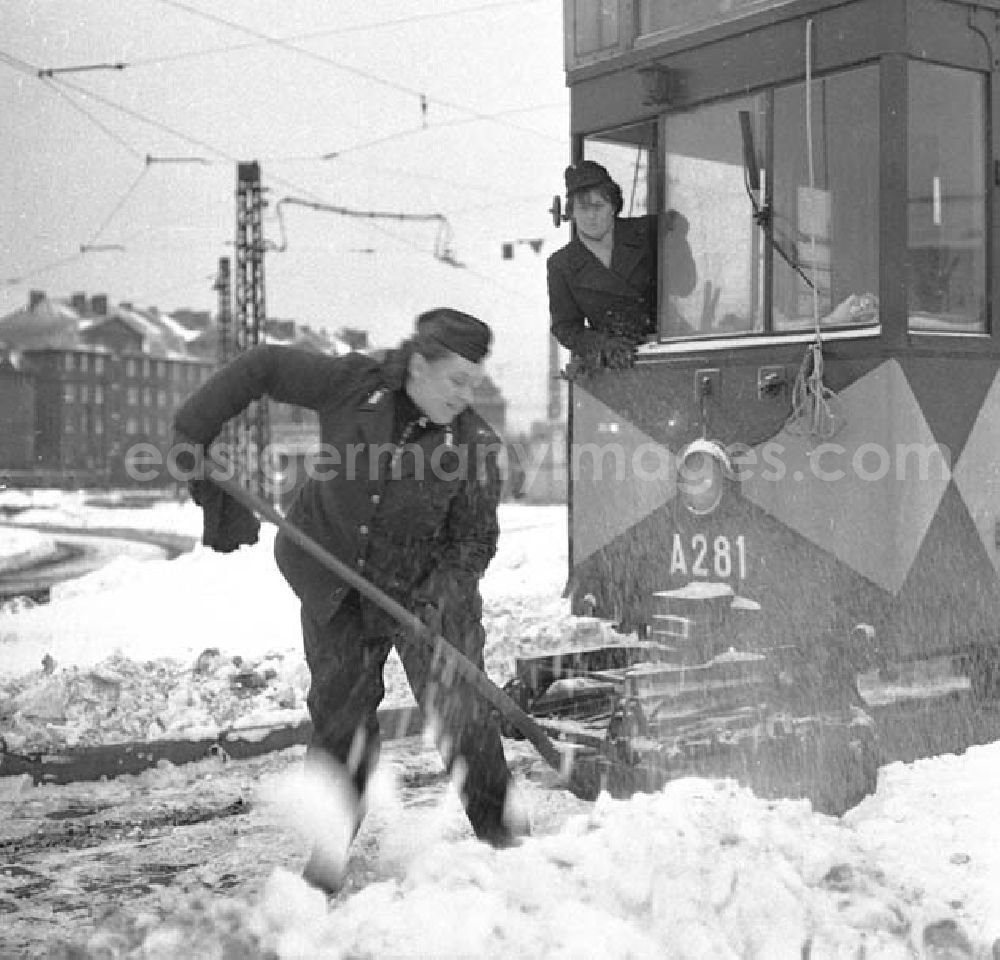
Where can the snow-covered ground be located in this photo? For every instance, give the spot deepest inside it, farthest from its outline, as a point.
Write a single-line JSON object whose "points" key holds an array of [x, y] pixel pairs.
{"points": [[703, 869], [21, 548]]}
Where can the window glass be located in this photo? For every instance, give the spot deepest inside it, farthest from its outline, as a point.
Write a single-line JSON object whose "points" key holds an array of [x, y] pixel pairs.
{"points": [[777, 245], [706, 184], [595, 26], [678, 15], [625, 153], [946, 200], [824, 227]]}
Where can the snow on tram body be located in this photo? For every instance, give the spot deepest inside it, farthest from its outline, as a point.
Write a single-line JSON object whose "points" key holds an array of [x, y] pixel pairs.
{"points": [[803, 465]]}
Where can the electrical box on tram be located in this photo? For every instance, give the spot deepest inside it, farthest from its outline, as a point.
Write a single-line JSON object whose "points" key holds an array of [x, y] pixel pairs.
{"points": [[798, 478]]}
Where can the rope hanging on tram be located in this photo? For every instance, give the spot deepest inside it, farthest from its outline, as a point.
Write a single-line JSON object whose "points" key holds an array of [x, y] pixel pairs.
{"points": [[816, 409]]}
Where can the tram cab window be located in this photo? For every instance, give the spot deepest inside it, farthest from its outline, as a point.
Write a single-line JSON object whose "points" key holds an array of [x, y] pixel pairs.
{"points": [[626, 154], [675, 16], [783, 214], [946, 200], [595, 28]]}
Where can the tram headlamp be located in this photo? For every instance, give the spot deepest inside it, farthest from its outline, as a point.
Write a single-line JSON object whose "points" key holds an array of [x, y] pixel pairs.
{"points": [[701, 476]]}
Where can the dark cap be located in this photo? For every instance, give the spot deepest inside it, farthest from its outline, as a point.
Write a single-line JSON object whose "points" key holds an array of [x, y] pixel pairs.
{"points": [[458, 332], [586, 174]]}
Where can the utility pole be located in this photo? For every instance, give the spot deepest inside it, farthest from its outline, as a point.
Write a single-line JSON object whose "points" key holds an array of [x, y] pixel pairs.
{"points": [[224, 352], [223, 287], [249, 320]]}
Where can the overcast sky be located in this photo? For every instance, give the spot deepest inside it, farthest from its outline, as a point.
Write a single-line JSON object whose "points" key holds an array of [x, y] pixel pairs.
{"points": [[290, 83]]}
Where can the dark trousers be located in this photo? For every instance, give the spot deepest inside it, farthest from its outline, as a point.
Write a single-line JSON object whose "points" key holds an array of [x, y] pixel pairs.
{"points": [[346, 689]]}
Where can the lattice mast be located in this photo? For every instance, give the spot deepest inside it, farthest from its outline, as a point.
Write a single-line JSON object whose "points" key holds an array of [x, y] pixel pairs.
{"points": [[224, 289], [224, 319], [249, 320]]}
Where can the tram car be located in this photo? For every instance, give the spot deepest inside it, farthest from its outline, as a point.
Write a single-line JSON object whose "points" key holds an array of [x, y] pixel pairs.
{"points": [[791, 499]]}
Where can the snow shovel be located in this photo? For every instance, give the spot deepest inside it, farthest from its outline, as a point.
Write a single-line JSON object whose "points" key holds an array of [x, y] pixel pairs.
{"points": [[444, 656]]}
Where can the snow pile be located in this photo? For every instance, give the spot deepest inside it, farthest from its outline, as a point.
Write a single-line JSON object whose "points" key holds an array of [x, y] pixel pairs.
{"points": [[700, 870], [22, 548], [159, 609], [120, 700], [933, 824], [160, 619], [82, 509]]}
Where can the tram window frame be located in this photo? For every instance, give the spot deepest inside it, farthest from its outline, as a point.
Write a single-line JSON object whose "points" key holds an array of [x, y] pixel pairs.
{"points": [[611, 149], [946, 248], [784, 206], [671, 18], [603, 15], [629, 153]]}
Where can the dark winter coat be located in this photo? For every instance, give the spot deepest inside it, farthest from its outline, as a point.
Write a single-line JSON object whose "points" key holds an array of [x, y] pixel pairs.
{"points": [[425, 525], [588, 301]]}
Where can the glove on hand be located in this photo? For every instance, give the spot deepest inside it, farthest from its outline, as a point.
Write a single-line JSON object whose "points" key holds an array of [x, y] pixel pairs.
{"points": [[228, 525], [578, 368], [440, 600], [618, 353], [430, 614]]}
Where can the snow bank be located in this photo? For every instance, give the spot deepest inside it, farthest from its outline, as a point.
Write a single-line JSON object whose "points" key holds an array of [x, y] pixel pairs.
{"points": [[149, 623], [701, 870], [22, 548]]}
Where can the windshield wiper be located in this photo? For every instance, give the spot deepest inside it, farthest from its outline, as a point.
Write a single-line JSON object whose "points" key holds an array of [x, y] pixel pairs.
{"points": [[762, 213]]}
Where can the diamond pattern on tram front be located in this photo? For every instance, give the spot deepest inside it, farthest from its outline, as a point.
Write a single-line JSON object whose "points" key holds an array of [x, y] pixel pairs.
{"points": [[867, 494], [619, 477], [977, 473], [950, 597], [950, 408]]}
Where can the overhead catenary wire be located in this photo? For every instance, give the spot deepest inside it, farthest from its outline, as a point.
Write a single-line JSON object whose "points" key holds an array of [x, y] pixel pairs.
{"points": [[82, 68], [327, 32], [468, 271], [442, 250], [121, 141], [442, 243], [148, 121], [121, 203], [44, 268], [347, 68], [228, 158], [419, 128]]}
